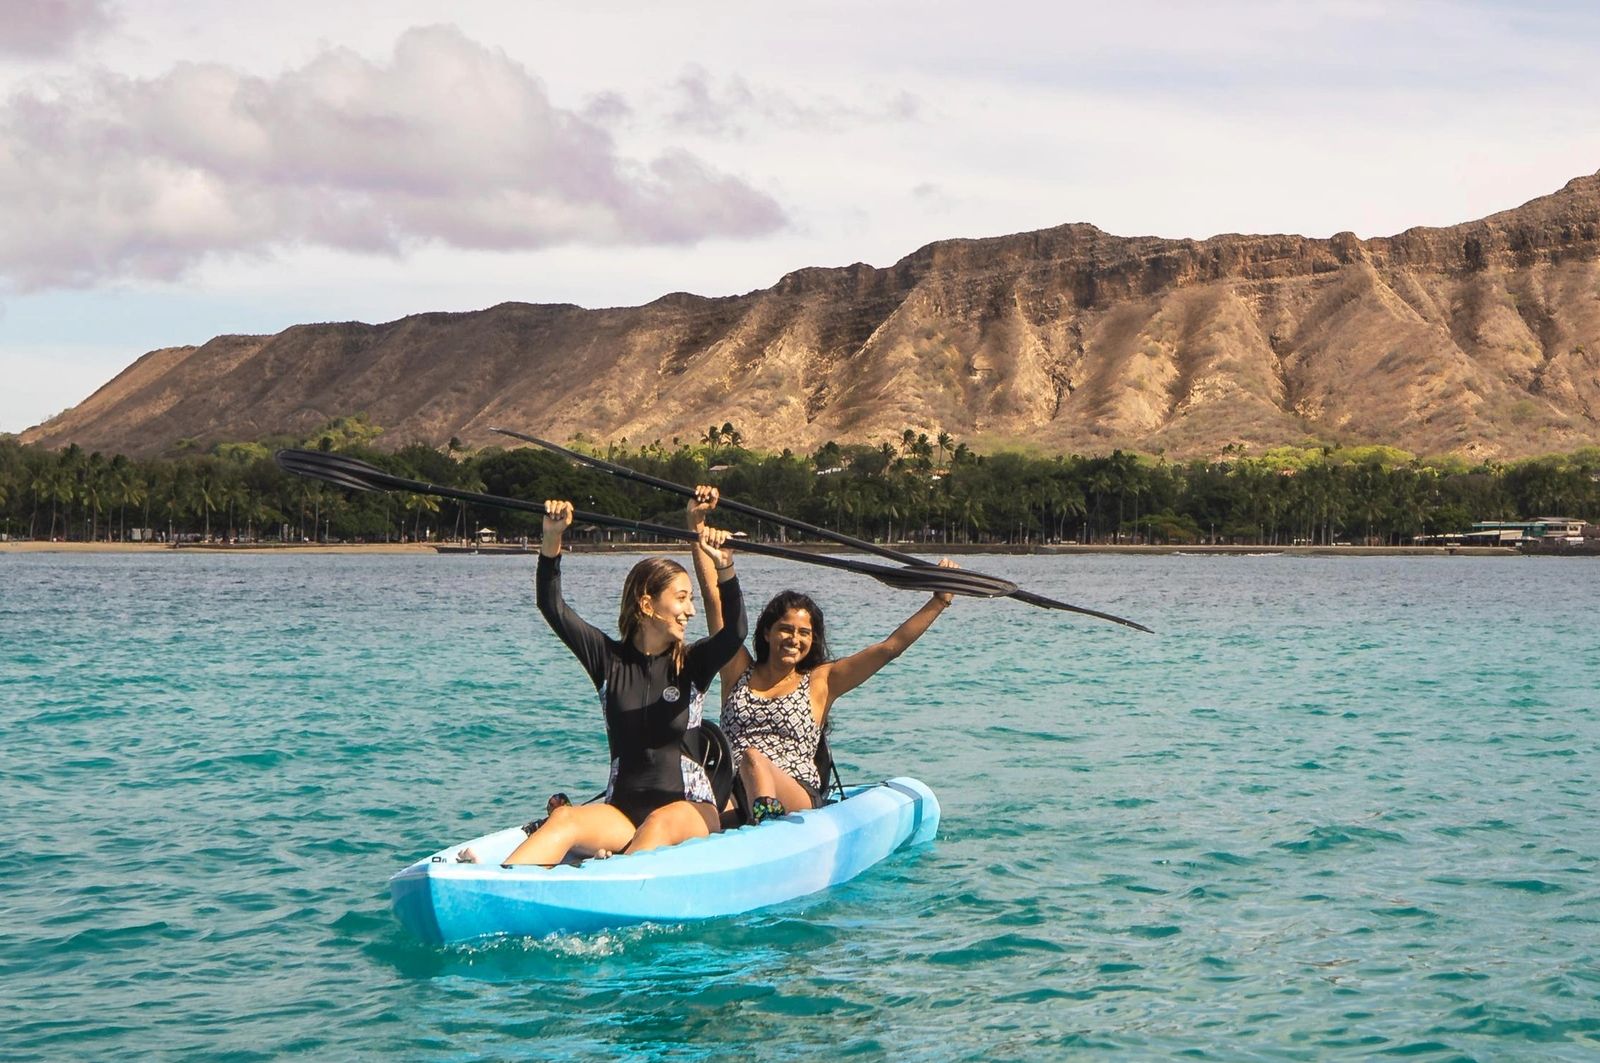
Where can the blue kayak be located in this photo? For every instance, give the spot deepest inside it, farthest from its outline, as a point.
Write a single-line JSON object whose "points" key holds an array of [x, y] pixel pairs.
{"points": [[444, 902]]}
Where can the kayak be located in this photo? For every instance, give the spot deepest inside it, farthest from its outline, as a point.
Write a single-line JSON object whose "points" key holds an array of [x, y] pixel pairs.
{"points": [[444, 902]]}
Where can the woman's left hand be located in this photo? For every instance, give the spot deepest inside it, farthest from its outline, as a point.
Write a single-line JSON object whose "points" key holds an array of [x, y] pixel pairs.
{"points": [[713, 542]]}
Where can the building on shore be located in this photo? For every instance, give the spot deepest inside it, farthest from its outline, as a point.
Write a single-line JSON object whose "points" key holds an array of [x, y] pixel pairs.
{"points": [[1516, 533]]}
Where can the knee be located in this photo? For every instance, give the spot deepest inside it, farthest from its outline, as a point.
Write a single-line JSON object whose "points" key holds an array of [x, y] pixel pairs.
{"points": [[671, 819], [560, 818], [757, 759]]}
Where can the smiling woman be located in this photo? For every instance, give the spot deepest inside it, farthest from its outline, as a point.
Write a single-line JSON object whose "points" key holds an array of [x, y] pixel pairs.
{"points": [[652, 688], [775, 703]]}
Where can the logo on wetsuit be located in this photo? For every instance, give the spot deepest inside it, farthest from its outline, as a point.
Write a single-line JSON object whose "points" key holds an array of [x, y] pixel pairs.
{"points": [[670, 694]]}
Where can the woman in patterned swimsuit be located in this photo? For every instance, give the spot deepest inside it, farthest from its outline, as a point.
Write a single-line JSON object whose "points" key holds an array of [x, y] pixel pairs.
{"points": [[775, 704], [651, 686]]}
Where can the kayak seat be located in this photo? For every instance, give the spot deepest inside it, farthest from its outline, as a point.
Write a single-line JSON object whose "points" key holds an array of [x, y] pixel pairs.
{"points": [[716, 756], [832, 786], [708, 745]]}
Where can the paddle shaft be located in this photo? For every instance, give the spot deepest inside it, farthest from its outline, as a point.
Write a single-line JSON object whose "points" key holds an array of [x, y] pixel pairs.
{"points": [[795, 524], [359, 475]]}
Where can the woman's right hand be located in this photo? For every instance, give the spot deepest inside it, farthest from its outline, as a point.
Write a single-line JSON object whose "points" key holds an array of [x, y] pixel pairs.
{"points": [[946, 599], [704, 501], [557, 518]]}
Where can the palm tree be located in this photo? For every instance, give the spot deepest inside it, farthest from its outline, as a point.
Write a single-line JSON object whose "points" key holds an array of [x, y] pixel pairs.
{"points": [[131, 490], [1067, 501], [468, 481], [1101, 481], [58, 485], [234, 496], [205, 493], [91, 491], [418, 505], [971, 513]]}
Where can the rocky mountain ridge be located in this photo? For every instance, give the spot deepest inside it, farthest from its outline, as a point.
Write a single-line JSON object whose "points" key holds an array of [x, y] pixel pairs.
{"points": [[1481, 338]]}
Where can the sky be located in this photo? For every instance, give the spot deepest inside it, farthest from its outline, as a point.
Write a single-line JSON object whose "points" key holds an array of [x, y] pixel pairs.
{"points": [[173, 171]]}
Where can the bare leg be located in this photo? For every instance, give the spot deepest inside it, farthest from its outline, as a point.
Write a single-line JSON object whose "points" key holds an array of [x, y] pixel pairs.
{"points": [[588, 827], [762, 778], [671, 824]]}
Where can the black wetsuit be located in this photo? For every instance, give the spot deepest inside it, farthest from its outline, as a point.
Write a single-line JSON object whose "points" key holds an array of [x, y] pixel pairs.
{"points": [[649, 707]]}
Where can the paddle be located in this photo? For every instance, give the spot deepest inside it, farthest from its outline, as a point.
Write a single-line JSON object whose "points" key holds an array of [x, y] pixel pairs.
{"points": [[358, 475], [799, 525]]}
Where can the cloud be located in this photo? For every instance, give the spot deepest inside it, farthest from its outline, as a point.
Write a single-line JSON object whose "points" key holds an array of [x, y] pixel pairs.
{"points": [[449, 143], [50, 28], [727, 108]]}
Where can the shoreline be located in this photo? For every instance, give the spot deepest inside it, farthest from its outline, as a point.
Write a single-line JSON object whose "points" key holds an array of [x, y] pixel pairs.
{"points": [[920, 549], [42, 547]]}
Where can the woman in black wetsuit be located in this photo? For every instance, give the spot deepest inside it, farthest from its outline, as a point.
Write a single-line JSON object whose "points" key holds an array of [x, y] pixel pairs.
{"points": [[652, 688]]}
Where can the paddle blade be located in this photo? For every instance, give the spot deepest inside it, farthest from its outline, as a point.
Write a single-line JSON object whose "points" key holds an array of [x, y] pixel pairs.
{"points": [[1050, 603], [944, 581], [307, 463]]}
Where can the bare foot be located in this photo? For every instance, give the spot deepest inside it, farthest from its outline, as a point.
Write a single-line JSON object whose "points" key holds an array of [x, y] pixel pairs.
{"points": [[601, 854], [467, 855]]}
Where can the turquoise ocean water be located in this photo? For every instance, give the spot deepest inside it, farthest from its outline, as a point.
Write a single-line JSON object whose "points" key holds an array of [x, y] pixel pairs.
{"points": [[1335, 808]]}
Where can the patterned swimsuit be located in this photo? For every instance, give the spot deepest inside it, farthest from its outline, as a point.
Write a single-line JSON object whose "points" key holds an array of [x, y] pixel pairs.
{"points": [[782, 728]]}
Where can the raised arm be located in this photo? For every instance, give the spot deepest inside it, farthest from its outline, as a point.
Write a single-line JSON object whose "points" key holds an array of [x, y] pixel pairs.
{"points": [[586, 641], [844, 675], [709, 656], [705, 571]]}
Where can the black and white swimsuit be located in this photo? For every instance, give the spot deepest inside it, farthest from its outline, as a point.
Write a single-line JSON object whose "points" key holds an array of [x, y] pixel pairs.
{"points": [[649, 706], [781, 728]]}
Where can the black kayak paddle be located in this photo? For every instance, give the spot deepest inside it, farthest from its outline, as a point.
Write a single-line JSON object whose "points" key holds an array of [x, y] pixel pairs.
{"points": [[795, 524], [358, 475]]}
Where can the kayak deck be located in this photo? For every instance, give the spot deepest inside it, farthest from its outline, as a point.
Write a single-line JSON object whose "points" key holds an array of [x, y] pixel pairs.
{"points": [[444, 902]]}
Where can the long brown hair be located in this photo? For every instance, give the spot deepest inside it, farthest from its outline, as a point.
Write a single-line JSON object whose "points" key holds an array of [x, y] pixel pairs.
{"points": [[647, 579]]}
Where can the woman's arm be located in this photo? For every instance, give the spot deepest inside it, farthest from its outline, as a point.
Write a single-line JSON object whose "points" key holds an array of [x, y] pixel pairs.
{"points": [[705, 571], [705, 566], [844, 675], [586, 642], [710, 655]]}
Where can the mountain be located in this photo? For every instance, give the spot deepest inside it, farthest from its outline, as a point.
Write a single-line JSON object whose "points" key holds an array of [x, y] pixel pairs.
{"points": [[1481, 338]]}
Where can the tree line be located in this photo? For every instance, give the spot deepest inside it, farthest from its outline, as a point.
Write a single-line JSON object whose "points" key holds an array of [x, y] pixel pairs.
{"points": [[916, 489]]}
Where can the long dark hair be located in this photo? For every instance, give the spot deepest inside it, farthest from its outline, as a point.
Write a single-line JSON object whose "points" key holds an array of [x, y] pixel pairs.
{"points": [[780, 604]]}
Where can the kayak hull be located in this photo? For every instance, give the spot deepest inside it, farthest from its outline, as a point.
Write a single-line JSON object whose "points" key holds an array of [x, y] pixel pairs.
{"points": [[443, 902]]}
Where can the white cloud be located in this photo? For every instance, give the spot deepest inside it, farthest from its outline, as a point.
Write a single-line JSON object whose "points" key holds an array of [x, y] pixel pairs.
{"points": [[50, 28], [730, 106], [450, 143]]}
